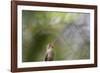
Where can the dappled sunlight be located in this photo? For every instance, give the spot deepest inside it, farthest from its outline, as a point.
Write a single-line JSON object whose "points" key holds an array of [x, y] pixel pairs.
{"points": [[68, 32]]}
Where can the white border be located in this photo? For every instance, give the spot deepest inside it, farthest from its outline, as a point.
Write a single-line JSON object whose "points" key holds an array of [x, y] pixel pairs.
{"points": [[53, 63]]}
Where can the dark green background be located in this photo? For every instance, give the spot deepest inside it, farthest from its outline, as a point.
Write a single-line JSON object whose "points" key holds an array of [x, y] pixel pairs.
{"points": [[69, 33]]}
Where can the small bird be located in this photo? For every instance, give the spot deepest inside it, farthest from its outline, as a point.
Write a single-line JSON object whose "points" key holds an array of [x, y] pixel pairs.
{"points": [[49, 53]]}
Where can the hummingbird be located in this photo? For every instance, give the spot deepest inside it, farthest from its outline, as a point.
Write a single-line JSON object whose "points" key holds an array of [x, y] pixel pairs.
{"points": [[49, 53]]}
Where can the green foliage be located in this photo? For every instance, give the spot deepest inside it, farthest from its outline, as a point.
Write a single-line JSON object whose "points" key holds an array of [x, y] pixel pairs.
{"points": [[40, 28]]}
